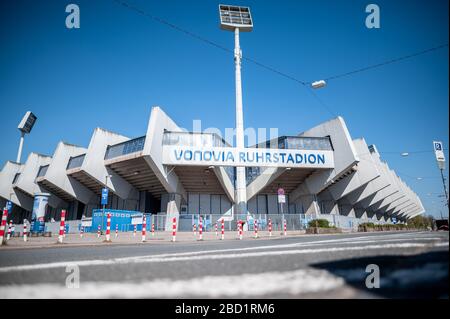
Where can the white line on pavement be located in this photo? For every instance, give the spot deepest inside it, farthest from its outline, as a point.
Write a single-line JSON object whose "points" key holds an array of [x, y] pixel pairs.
{"points": [[251, 285], [211, 255]]}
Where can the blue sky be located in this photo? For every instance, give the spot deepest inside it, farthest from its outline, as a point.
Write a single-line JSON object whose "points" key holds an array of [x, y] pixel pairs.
{"points": [[119, 64]]}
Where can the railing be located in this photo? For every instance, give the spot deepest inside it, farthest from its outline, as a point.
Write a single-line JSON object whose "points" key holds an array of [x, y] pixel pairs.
{"points": [[75, 162], [42, 171], [298, 143], [124, 148], [194, 139]]}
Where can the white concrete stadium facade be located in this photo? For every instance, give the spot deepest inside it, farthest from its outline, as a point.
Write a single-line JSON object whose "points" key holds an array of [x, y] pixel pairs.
{"points": [[358, 183]]}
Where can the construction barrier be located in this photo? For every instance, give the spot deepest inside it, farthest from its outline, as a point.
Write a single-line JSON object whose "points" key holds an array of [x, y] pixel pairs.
{"points": [[144, 227], [3, 226], [240, 230], [25, 235], [62, 226], [174, 229], [9, 230], [200, 229], [270, 227], [108, 227]]}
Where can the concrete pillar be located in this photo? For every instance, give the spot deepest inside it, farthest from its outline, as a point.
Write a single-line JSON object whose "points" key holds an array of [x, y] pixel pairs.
{"points": [[329, 207], [173, 210], [310, 205]]}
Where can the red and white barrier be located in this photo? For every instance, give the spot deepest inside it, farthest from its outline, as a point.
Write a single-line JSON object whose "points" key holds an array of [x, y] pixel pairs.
{"points": [[223, 229], [134, 231], [255, 228], [117, 230], [8, 236], [270, 227], [200, 228], [174, 229], [240, 229], [108, 227], [98, 231], [194, 229], [25, 234], [153, 230], [285, 228], [62, 226], [144, 227], [3, 226]]}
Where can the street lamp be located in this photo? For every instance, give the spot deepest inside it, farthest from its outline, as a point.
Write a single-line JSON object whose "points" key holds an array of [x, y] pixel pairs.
{"points": [[235, 18], [318, 84], [25, 127]]}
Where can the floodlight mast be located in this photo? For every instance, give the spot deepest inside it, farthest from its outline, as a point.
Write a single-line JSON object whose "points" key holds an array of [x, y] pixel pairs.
{"points": [[234, 18], [241, 184]]}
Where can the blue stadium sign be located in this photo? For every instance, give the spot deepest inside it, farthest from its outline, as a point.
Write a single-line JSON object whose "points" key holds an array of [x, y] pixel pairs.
{"points": [[247, 157], [105, 196]]}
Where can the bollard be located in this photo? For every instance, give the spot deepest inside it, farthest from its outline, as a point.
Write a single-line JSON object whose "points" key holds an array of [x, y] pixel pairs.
{"points": [[285, 228], [200, 229], [223, 229], [134, 231], [174, 229], [25, 237], [153, 230], [270, 227], [194, 229], [108, 227], [117, 230], [62, 226], [255, 228], [3, 226], [98, 231], [144, 227], [81, 231], [215, 228], [240, 230], [9, 230]]}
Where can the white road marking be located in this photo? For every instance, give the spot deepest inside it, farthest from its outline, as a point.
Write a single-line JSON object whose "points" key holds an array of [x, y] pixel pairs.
{"points": [[205, 255], [244, 285]]}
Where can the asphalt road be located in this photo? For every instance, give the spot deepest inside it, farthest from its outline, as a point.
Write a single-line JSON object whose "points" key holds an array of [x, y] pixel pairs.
{"points": [[411, 265]]}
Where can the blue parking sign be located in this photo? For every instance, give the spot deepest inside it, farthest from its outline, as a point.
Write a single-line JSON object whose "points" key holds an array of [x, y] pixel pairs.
{"points": [[105, 196], [8, 206]]}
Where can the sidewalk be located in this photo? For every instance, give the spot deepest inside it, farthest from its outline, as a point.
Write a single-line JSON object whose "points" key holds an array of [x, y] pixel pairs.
{"points": [[127, 238]]}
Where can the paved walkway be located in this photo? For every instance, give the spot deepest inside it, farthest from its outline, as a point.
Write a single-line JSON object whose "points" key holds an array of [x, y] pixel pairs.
{"points": [[90, 239]]}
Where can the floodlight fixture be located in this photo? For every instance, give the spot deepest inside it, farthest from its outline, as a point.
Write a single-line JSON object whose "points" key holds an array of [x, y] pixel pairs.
{"points": [[232, 17], [25, 127]]}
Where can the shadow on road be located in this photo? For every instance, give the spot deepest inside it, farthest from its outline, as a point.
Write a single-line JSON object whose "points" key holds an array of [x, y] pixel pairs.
{"points": [[417, 276]]}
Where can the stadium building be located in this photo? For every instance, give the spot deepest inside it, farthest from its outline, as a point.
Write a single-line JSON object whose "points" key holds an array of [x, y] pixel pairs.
{"points": [[322, 172]]}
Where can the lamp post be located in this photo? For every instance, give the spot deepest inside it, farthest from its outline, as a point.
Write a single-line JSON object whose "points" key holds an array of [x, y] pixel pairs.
{"points": [[238, 19], [104, 199]]}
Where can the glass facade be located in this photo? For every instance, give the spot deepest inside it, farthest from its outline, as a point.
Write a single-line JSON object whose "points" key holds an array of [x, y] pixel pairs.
{"points": [[128, 147], [42, 171], [75, 162]]}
